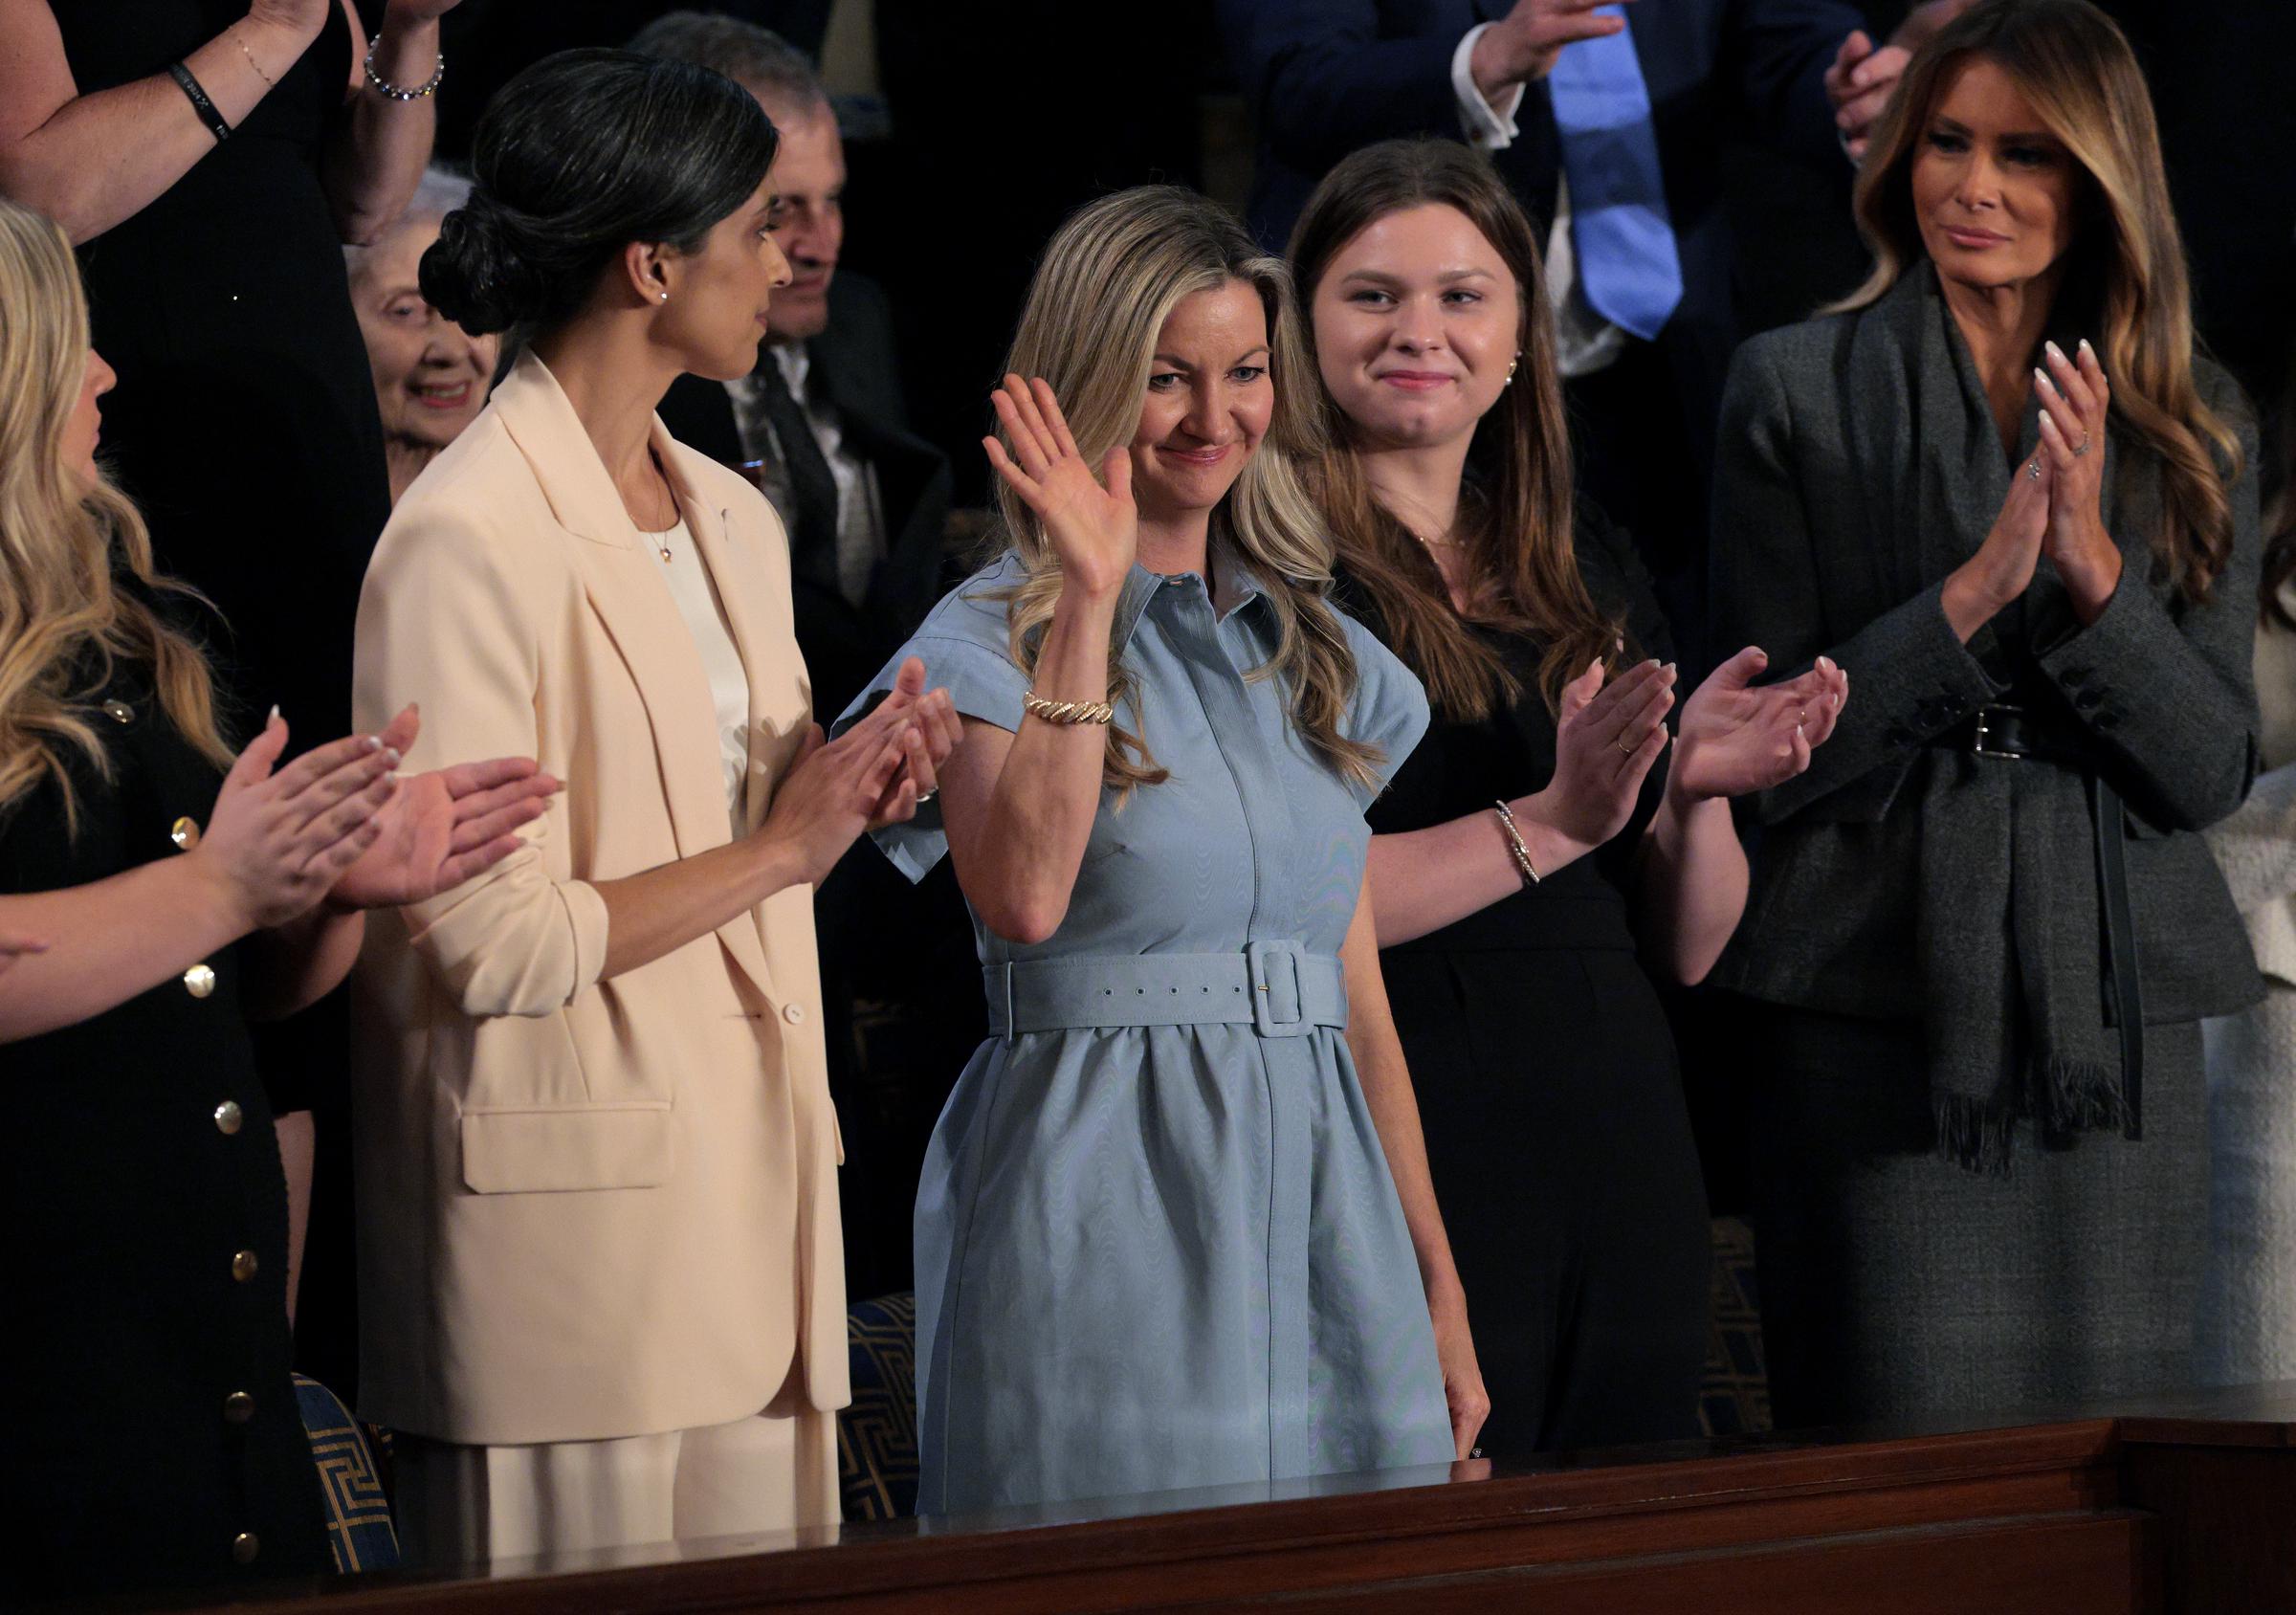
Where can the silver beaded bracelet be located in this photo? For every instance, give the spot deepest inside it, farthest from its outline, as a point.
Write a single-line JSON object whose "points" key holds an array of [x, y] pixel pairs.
{"points": [[425, 87]]}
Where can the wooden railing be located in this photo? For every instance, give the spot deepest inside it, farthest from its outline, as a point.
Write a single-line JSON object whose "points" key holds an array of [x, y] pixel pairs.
{"points": [[2173, 1504]]}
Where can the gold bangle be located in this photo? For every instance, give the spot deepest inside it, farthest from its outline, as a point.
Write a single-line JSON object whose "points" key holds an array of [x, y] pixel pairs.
{"points": [[1514, 845], [1067, 712]]}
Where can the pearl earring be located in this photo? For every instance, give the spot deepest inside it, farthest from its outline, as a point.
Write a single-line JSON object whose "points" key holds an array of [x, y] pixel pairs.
{"points": [[665, 296], [1512, 364]]}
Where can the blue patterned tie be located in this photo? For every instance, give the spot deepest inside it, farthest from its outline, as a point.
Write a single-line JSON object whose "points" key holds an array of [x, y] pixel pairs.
{"points": [[1627, 264]]}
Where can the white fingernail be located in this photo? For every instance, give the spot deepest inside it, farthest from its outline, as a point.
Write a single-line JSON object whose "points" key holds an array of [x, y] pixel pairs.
{"points": [[2055, 352], [275, 716], [2085, 348], [372, 742]]}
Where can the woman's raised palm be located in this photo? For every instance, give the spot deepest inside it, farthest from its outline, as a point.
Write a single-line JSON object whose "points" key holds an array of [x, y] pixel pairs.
{"points": [[1090, 521]]}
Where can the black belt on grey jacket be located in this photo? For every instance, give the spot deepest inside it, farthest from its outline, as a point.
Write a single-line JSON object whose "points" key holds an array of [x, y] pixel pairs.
{"points": [[2020, 734]]}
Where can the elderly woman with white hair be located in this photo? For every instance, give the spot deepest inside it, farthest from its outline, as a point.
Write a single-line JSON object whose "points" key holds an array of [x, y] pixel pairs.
{"points": [[431, 376]]}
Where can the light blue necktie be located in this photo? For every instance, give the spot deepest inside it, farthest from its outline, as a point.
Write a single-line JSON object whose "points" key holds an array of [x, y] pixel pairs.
{"points": [[1627, 264]]}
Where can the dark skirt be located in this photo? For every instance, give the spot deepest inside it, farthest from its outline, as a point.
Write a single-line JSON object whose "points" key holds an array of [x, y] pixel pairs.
{"points": [[1562, 1159], [1898, 1286]]}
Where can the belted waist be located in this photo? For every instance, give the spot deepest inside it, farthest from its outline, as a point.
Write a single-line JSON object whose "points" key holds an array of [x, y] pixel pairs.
{"points": [[1271, 986], [2017, 732]]}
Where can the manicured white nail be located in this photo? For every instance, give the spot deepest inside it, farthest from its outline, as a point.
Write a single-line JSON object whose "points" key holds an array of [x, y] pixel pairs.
{"points": [[372, 742], [2085, 348], [275, 716], [2042, 377], [2055, 352]]}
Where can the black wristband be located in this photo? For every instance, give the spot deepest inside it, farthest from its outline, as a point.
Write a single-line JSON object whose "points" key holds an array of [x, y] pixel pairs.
{"points": [[200, 103]]}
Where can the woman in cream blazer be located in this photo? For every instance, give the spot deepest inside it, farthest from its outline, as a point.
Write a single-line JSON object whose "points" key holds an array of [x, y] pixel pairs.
{"points": [[600, 1259]]}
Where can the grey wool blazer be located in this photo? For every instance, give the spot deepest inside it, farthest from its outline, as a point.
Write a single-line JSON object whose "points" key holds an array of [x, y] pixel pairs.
{"points": [[1859, 465]]}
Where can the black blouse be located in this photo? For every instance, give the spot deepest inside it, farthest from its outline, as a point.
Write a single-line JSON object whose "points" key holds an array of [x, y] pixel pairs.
{"points": [[157, 1440], [1463, 767]]}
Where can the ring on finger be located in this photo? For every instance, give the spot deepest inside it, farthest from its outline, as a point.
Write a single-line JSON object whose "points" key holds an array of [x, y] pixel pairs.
{"points": [[1624, 749], [925, 796], [2084, 446], [2033, 468]]}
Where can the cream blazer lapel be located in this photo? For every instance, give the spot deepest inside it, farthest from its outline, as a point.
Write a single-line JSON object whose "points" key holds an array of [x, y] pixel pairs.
{"points": [[622, 578]]}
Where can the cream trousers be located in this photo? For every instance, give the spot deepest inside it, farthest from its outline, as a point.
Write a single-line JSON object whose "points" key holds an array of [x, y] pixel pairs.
{"points": [[773, 1471]]}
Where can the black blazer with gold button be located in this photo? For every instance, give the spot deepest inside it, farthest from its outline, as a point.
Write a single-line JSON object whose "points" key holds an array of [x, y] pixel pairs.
{"points": [[138, 1174]]}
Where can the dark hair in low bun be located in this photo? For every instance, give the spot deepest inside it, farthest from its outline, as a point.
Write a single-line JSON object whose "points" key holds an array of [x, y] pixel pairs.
{"points": [[576, 158]]}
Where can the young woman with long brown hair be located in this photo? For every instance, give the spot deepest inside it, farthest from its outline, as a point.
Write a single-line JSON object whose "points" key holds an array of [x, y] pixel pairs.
{"points": [[1998, 486], [1534, 843], [156, 893]]}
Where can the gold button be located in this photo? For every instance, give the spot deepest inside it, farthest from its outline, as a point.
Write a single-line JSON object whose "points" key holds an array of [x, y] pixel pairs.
{"points": [[243, 1265], [119, 712], [238, 1407], [793, 1013], [184, 833], [245, 1546], [199, 981], [228, 1117]]}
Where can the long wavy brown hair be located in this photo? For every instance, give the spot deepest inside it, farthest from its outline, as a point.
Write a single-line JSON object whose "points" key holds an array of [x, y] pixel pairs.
{"points": [[76, 571], [2127, 272], [1516, 532], [1110, 279]]}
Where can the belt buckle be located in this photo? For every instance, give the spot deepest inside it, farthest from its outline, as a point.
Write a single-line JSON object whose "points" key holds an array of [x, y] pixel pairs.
{"points": [[1276, 1007], [1977, 746]]}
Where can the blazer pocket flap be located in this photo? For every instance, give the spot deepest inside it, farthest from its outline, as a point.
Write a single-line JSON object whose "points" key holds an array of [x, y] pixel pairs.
{"points": [[566, 1147]]}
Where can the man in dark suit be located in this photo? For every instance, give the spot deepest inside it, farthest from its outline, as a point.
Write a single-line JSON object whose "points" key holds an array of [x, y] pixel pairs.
{"points": [[820, 425], [1607, 123], [820, 428]]}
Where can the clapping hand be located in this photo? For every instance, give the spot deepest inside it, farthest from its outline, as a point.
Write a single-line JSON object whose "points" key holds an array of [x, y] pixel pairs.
{"points": [[2074, 405], [1606, 736], [1860, 83], [277, 843], [1736, 737], [443, 828], [1864, 77], [1091, 522], [872, 775]]}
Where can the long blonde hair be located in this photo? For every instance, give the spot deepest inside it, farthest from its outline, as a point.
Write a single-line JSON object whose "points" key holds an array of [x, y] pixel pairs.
{"points": [[1110, 279], [1519, 536], [2127, 265], [64, 616]]}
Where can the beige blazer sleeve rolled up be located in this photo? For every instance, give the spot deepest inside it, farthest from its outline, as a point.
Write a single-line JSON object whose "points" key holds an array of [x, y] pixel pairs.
{"points": [[588, 1208]]}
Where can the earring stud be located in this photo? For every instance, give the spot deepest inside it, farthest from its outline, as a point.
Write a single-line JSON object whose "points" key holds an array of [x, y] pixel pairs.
{"points": [[665, 296]]}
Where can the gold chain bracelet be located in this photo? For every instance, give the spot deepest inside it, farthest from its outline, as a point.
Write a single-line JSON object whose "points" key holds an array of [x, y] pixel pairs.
{"points": [[1067, 712], [1514, 845]]}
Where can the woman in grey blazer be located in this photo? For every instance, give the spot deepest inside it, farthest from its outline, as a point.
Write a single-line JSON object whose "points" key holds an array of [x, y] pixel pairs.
{"points": [[1996, 487]]}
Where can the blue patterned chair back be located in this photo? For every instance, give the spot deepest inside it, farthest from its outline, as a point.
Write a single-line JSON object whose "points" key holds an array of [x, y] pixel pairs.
{"points": [[876, 1435], [359, 1527]]}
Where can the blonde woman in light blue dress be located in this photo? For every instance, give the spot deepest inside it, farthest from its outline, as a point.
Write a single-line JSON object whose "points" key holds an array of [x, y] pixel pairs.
{"points": [[1176, 1226]]}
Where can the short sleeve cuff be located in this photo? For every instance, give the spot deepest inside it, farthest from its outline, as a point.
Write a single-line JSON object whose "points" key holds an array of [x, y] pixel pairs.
{"points": [[982, 684], [1389, 710]]}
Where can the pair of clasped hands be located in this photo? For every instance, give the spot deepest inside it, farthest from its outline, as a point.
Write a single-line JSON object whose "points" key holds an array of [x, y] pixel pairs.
{"points": [[1735, 736], [2054, 506]]}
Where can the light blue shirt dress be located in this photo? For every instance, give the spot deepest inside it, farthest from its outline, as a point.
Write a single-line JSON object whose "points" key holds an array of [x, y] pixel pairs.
{"points": [[1157, 1244]]}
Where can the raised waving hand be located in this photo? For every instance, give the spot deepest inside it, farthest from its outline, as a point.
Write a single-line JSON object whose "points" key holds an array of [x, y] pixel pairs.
{"points": [[1090, 521]]}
